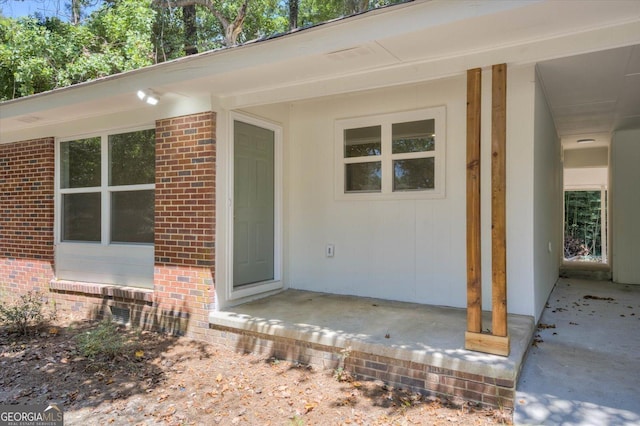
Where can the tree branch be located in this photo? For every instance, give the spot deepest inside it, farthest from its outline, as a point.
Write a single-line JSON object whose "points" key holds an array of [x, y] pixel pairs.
{"points": [[231, 29]]}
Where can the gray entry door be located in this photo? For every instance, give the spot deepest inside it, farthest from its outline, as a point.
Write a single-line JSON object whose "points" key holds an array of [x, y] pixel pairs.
{"points": [[253, 220]]}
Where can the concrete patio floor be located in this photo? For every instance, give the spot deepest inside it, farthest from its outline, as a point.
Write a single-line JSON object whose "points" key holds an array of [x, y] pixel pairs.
{"points": [[586, 370], [405, 331]]}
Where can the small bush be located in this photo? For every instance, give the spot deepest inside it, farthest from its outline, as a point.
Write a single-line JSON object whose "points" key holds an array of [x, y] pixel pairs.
{"points": [[105, 340], [27, 311], [574, 247]]}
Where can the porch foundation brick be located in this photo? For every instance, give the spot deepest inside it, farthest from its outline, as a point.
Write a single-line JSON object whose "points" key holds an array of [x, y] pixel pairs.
{"points": [[185, 221], [414, 376], [26, 217]]}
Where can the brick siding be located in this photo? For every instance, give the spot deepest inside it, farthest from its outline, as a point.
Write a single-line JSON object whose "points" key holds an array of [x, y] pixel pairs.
{"points": [[185, 219], [425, 379], [26, 216], [184, 231]]}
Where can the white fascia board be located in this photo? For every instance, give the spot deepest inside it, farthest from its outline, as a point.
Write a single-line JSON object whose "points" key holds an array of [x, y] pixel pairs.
{"points": [[521, 54]]}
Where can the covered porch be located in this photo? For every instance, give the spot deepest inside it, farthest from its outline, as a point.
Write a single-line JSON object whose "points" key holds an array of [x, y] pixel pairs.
{"points": [[408, 345]]}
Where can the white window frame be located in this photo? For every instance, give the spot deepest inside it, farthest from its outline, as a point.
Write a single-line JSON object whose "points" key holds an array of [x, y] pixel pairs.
{"points": [[104, 189], [438, 114], [118, 263], [277, 283]]}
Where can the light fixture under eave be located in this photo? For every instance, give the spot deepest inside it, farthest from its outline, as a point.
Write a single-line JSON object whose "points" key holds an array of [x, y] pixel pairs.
{"points": [[581, 141], [148, 96]]}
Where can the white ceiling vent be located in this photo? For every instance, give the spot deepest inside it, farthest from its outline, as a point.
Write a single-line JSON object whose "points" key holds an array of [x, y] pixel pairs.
{"points": [[29, 119], [349, 54]]}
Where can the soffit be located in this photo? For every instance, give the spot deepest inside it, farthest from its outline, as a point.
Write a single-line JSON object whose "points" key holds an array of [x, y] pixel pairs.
{"points": [[398, 45], [592, 95]]}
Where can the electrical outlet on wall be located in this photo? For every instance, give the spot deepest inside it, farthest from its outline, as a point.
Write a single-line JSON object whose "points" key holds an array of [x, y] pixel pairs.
{"points": [[330, 250]]}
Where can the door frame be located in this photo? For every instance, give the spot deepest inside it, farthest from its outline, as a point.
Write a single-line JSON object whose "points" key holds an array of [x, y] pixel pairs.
{"points": [[276, 283]]}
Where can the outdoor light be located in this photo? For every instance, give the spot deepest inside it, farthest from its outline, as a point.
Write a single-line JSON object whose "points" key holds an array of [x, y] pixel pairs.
{"points": [[586, 140], [148, 96]]}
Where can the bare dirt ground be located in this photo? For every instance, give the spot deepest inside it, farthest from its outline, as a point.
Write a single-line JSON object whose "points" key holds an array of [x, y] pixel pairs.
{"points": [[160, 379]]}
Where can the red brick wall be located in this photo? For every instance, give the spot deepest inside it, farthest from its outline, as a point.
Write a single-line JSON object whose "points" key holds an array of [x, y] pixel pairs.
{"points": [[184, 229], [426, 379], [26, 216], [185, 218]]}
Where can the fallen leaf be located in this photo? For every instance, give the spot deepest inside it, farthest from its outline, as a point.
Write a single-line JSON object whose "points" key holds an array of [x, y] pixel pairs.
{"points": [[309, 406], [139, 354], [588, 296], [543, 326]]}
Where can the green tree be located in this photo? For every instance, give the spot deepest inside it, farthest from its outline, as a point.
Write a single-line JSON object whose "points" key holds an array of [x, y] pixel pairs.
{"points": [[230, 15], [583, 223], [42, 54]]}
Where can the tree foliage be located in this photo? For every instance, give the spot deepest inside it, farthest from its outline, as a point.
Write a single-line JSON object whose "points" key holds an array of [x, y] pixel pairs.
{"points": [[583, 224], [42, 53]]}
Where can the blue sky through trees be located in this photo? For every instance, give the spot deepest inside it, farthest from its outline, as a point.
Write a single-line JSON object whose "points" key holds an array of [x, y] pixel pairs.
{"points": [[18, 8]]}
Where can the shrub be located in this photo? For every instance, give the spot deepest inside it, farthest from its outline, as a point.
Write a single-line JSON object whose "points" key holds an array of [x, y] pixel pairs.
{"points": [[104, 340], [27, 311], [574, 247]]}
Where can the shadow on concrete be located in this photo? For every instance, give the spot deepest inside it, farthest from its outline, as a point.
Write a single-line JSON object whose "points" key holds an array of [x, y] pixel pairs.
{"points": [[585, 366]]}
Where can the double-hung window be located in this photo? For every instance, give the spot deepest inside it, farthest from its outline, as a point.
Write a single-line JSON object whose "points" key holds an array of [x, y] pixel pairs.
{"points": [[105, 208], [106, 187], [391, 156]]}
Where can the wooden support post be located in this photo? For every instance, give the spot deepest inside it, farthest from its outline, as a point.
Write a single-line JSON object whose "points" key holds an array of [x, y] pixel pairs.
{"points": [[474, 278], [498, 199], [498, 342]]}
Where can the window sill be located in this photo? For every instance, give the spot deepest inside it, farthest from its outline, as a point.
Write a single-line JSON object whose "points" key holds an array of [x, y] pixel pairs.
{"points": [[108, 290]]}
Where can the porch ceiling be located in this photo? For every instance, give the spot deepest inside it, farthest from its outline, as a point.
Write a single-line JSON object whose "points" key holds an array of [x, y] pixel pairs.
{"points": [[406, 43], [594, 94]]}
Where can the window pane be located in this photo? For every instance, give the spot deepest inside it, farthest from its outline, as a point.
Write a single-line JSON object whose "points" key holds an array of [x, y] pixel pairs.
{"points": [[362, 142], [413, 174], [80, 163], [81, 217], [132, 158], [363, 177], [413, 136], [132, 218]]}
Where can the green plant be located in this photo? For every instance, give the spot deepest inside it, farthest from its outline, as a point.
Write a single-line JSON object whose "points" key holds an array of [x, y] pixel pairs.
{"points": [[296, 421], [25, 312], [104, 340], [339, 373]]}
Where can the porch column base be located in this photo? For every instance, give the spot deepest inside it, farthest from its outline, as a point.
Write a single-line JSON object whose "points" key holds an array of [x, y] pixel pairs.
{"points": [[488, 343]]}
